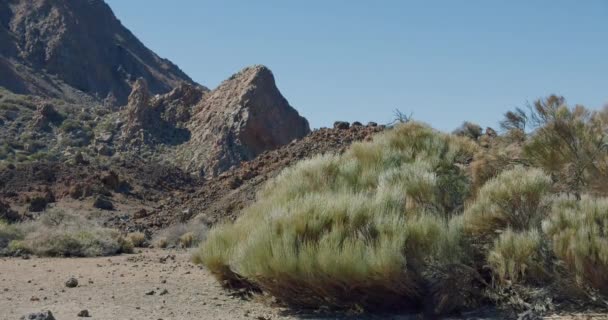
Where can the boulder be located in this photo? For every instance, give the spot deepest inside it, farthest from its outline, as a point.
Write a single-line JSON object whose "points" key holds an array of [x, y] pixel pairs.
{"points": [[342, 125], [46, 315], [103, 203], [71, 282]]}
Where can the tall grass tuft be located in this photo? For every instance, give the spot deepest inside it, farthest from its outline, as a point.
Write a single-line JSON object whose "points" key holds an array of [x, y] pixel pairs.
{"points": [[517, 257], [579, 234], [515, 199]]}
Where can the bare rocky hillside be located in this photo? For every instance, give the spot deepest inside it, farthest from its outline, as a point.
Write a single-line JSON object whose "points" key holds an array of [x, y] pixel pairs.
{"points": [[75, 50]]}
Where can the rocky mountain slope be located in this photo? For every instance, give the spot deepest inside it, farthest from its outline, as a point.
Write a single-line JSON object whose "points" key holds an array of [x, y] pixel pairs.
{"points": [[91, 119], [75, 50]]}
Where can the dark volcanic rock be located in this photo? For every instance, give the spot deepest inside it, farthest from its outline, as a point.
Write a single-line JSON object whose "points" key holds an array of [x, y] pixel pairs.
{"points": [[341, 125], [245, 116], [62, 48], [47, 315], [103, 203]]}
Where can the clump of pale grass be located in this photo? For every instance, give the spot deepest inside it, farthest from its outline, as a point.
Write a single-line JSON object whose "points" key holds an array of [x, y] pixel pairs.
{"points": [[137, 239], [578, 231], [515, 199], [57, 233], [517, 256], [184, 235]]}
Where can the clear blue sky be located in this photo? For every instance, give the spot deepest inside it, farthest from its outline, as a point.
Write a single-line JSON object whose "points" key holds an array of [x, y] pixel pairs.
{"points": [[444, 61]]}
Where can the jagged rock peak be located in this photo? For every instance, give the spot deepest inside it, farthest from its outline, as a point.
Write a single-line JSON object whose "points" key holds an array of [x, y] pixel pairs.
{"points": [[243, 117]]}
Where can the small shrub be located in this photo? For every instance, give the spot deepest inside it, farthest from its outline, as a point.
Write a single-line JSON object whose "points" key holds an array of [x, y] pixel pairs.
{"points": [[161, 242], [516, 199], [138, 239], [579, 234], [186, 240], [517, 257], [470, 130], [185, 235], [8, 233]]}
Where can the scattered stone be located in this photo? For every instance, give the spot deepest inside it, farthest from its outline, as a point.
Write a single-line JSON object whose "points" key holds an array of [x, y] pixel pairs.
{"points": [[84, 313], [150, 293], [103, 203], [342, 125], [141, 213], [46, 315], [164, 292], [71, 283]]}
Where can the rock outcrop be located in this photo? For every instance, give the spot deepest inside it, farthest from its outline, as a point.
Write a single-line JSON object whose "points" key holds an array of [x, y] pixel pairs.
{"points": [[76, 49], [160, 119], [245, 116]]}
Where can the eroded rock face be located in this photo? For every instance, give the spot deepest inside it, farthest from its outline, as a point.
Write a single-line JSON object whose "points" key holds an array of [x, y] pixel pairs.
{"points": [[162, 118], [245, 116], [61, 48], [44, 115]]}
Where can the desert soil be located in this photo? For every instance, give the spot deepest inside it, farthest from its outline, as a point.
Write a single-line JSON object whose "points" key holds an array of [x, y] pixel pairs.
{"points": [[130, 287]]}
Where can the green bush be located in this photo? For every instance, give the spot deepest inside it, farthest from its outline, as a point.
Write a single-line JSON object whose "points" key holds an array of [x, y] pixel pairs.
{"points": [[515, 199], [63, 234], [366, 229], [578, 231], [518, 257], [8, 233]]}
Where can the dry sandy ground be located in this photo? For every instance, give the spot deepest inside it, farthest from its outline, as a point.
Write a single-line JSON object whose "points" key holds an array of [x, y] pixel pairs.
{"points": [[115, 288]]}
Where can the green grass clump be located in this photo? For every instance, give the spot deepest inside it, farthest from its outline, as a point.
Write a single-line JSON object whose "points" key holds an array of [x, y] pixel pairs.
{"points": [[515, 199], [517, 257], [363, 230], [578, 231]]}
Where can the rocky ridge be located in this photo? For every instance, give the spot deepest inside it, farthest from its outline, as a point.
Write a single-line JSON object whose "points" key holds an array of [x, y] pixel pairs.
{"points": [[77, 51]]}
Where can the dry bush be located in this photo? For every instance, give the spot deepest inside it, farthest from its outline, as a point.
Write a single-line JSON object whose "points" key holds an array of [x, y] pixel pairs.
{"points": [[569, 143], [137, 239], [469, 130], [187, 240], [185, 235], [366, 229], [516, 199], [58, 233], [578, 231], [160, 242]]}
